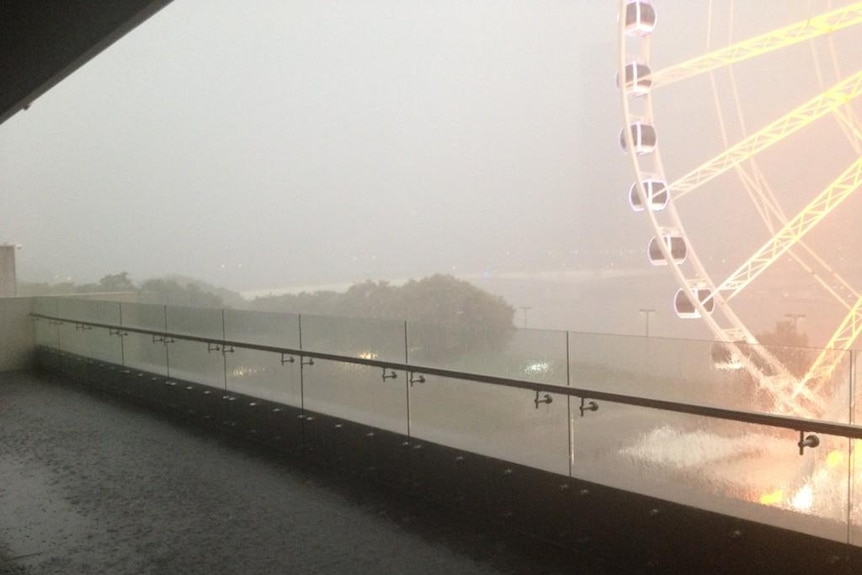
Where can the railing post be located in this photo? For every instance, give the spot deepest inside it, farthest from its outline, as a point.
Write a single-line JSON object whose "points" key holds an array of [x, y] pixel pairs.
{"points": [[853, 388], [122, 342], [407, 378], [223, 355], [569, 427], [302, 440], [165, 343]]}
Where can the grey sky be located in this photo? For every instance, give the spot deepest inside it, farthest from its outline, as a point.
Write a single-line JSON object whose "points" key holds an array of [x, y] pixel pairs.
{"points": [[316, 141], [260, 144]]}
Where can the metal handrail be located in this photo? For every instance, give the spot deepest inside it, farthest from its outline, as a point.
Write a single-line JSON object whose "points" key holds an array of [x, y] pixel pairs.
{"points": [[780, 421]]}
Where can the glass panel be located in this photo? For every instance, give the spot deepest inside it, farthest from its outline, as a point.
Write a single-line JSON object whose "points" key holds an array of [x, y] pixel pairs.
{"points": [[530, 354], [199, 362], [93, 342], [71, 340], [87, 341], [144, 316], [46, 332], [273, 329], [262, 374], [356, 393], [825, 389], [487, 419], [360, 337], [856, 459], [144, 354], [100, 344], [492, 420], [815, 385], [856, 385], [707, 373], [748, 471], [142, 351], [671, 369], [195, 321], [45, 306], [350, 391], [95, 311], [856, 493]]}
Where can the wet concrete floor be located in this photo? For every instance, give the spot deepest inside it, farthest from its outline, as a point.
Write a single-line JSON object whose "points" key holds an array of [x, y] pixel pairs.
{"points": [[90, 485]]}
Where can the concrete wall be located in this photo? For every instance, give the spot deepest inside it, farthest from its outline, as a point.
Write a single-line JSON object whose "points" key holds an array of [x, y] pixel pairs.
{"points": [[17, 343]]}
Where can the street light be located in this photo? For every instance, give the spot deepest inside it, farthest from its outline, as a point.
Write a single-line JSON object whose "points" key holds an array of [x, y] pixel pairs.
{"points": [[526, 308], [795, 317], [647, 311]]}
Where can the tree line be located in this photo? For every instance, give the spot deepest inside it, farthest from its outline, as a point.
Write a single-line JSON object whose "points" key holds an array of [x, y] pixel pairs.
{"points": [[447, 315], [169, 290]]}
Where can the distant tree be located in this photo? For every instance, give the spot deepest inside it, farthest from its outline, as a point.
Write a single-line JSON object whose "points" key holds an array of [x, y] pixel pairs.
{"points": [[788, 345], [172, 292], [117, 283], [33, 289], [372, 299], [229, 298], [447, 316], [451, 317], [785, 333]]}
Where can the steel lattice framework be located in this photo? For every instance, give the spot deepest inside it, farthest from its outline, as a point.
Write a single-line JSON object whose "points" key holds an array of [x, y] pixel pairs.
{"points": [[835, 352], [760, 45], [839, 95], [794, 230]]}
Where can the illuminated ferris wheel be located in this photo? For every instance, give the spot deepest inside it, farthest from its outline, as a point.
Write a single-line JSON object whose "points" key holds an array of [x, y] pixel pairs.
{"points": [[756, 109]]}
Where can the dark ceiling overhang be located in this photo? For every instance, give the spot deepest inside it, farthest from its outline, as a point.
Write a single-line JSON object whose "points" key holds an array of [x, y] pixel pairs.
{"points": [[43, 41]]}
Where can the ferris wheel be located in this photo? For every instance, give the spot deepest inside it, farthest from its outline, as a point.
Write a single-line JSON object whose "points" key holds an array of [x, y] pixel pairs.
{"points": [[763, 103]]}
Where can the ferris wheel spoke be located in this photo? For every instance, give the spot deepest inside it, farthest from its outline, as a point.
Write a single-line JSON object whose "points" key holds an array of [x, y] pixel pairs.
{"points": [[767, 206], [850, 125], [825, 202], [830, 100], [770, 212], [759, 45], [835, 351], [761, 196]]}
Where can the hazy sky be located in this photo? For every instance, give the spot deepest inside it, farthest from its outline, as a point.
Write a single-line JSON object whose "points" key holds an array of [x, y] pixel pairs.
{"points": [[261, 144], [318, 141]]}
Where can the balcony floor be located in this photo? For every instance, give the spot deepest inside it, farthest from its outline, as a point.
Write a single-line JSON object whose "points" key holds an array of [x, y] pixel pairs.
{"points": [[91, 485]]}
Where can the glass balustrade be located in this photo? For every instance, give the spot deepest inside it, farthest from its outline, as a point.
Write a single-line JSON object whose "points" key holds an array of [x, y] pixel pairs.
{"points": [[745, 470]]}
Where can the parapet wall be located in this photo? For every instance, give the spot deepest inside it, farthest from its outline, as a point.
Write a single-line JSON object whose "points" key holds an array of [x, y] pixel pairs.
{"points": [[16, 333]]}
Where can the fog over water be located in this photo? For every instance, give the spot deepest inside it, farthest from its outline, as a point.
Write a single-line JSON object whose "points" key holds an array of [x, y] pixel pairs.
{"points": [[267, 144]]}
